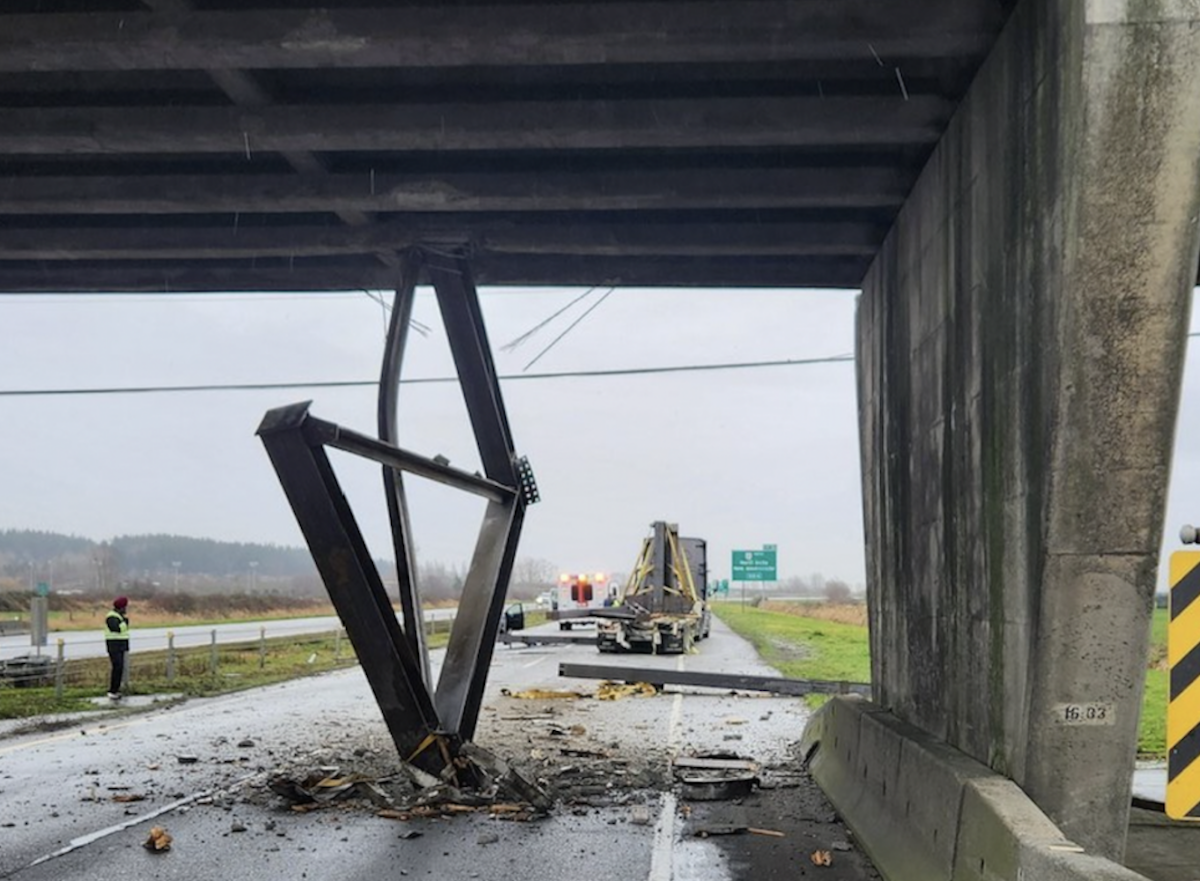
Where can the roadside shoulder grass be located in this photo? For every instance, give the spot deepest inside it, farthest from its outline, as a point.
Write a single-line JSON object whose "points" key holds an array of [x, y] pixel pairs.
{"points": [[801, 647]]}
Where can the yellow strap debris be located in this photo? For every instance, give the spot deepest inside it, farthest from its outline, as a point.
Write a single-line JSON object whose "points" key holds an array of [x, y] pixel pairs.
{"points": [[613, 691], [541, 694]]}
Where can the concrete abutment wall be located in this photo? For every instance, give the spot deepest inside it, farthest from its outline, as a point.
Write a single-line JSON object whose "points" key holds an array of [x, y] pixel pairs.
{"points": [[1020, 341]]}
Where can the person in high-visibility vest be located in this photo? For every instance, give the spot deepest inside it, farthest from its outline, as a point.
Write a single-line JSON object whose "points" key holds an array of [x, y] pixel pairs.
{"points": [[116, 637]]}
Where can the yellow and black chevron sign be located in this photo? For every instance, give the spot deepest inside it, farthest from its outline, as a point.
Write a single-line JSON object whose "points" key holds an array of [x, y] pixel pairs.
{"points": [[1183, 711]]}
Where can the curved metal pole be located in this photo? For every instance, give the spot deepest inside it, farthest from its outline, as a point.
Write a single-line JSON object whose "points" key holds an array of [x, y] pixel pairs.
{"points": [[393, 480]]}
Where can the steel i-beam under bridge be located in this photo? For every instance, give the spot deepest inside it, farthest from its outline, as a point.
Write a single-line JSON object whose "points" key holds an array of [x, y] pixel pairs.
{"points": [[428, 724]]}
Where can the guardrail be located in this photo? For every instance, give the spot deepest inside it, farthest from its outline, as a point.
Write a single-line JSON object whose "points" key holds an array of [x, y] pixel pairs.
{"points": [[89, 666]]}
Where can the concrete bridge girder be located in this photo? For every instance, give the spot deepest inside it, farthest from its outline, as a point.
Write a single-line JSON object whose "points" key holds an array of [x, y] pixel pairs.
{"points": [[1021, 339]]}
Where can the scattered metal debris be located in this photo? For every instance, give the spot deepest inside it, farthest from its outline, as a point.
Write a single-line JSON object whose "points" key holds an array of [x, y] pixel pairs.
{"points": [[321, 788], [716, 777]]}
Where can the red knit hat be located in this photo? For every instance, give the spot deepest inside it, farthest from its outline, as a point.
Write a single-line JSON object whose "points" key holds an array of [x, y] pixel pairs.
{"points": [[120, 602]]}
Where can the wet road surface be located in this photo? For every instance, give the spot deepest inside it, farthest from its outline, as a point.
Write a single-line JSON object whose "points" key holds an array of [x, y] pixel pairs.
{"points": [[60, 817]]}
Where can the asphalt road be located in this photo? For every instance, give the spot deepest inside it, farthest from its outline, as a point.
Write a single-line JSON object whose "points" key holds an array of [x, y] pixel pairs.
{"points": [[59, 819], [90, 643]]}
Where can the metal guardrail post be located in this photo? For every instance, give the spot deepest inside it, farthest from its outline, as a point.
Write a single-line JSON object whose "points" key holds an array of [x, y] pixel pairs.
{"points": [[58, 670], [262, 647], [170, 656]]}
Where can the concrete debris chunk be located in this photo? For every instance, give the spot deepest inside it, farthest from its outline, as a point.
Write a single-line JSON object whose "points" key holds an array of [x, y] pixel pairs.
{"points": [[508, 782]]}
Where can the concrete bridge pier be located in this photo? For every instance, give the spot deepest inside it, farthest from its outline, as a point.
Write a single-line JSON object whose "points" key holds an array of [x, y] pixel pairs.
{"points": [[1021, 337]]}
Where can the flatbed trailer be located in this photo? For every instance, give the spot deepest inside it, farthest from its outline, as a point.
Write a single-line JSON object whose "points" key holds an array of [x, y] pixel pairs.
{"points": [[662, 609]]}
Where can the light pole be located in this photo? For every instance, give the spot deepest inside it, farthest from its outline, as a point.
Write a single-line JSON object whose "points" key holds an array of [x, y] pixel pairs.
{"points": [[254, 576], [175, 564]]}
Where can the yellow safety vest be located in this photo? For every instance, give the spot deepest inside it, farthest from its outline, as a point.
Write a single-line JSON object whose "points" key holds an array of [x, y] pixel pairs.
{"points": [[124, 626]]}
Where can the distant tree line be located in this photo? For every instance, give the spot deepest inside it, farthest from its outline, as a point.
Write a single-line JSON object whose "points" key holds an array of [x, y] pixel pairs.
{"points": [[146, 565]]}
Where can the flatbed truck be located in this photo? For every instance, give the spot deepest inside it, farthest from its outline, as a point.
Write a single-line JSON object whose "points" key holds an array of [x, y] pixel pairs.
{"points": [[662, 609]]}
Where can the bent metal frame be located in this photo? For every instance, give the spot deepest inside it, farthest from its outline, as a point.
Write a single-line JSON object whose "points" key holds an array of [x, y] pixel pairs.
{"points": [[427, 724]]}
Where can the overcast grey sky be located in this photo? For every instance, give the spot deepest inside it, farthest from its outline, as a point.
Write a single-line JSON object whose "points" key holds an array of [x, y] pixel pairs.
{"points": [[740, 458]]}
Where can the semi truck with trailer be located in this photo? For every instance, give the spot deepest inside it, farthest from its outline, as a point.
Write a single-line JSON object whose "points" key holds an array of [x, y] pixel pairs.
{"points": [[662, 608]]}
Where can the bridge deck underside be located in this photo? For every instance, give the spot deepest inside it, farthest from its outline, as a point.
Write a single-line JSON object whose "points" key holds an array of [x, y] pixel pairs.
{"points": [[263, 144]]}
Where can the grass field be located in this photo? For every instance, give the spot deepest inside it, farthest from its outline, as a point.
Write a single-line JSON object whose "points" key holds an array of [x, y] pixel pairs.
{"points": [[238, 667], [809, 641]]}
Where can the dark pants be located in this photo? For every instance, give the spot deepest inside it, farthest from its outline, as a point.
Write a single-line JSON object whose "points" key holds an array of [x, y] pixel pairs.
{"points": [[116, 655]]}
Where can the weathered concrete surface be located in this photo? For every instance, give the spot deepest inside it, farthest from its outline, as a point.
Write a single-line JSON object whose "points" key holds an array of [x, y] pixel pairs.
{"points": [[924, 811], [1021, 336]]}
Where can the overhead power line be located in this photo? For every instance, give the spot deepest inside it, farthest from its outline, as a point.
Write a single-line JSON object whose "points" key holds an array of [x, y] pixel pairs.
{"points": [[570, 327], [428, 380]]}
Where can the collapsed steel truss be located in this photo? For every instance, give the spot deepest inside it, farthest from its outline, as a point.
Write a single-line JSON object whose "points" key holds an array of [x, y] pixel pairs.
{"points": [[428, 724]]}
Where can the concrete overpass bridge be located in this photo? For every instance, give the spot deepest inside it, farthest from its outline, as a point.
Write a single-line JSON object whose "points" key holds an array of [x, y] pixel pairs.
{"points": [[1012, 185]]}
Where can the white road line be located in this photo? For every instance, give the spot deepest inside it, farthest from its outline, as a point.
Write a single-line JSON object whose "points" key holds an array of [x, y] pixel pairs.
{"points": [[84, 840], [81, 731], [675, 726], [533, 663], [661, 860], [662, 865]]}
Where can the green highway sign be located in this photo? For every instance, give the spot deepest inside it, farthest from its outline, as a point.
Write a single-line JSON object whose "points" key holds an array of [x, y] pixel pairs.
{"points": [[43, 589], [754, 565]]}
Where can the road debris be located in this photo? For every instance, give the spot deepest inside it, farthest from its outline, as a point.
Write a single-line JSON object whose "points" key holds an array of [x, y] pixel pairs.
{"points": [[614, 691], [715, 777], [733, 829], [544, 694], [127, 797], [821, 858], [571, 752], [322, 787], [159, 840]]}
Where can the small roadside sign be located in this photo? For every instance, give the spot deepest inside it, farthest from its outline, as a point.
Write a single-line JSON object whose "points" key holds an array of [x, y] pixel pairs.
{"points": [[753, 566], [43, 589]]}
